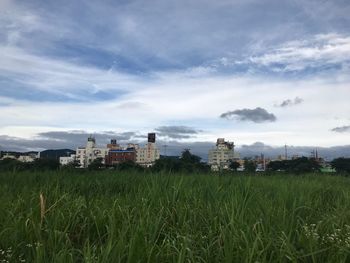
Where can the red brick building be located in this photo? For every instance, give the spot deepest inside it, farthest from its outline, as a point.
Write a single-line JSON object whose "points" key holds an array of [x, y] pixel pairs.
{"points": [[120, 156]]}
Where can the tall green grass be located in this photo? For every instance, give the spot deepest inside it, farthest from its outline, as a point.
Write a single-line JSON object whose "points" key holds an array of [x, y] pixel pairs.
{"points": [[136, 217]]}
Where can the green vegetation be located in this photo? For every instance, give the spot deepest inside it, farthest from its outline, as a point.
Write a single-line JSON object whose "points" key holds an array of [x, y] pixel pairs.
{"points": [[187, 163], [297, 166], [341, 165], [234, 165], [249, 166], [111, 216], [38, 165]]}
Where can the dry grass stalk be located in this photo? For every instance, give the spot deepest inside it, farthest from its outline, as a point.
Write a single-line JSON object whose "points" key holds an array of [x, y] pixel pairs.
{"points": [[42, 208]]}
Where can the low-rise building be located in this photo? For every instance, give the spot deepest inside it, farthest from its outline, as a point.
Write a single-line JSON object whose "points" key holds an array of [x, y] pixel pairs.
{"points": [[8, 156], [65, 160], [26, 158], [118, 156], [221, 156]]}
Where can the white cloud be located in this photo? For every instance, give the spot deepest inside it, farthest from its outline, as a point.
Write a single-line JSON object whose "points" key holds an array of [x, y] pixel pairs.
{"points": [[187, 36], [320, 51], [177, 99], [61, 77]]}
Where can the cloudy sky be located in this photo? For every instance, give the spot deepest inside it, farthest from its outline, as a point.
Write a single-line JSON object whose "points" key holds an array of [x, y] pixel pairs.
{"points": [[273, 71]]}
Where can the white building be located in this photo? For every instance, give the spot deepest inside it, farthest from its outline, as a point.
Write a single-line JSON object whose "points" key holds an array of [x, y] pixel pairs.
{"points": [[8, 156], [26, 158], [146, 156], [22, 158], [221, 156], [65, 160], [86, 155]]}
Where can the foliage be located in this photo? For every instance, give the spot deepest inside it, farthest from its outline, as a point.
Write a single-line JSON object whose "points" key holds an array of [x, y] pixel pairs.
{"points": [[234, 165], [341, 165], [249, 166], [125, 217], [8, 164], [44, 164], [127, 166], [37, 165], [187, 162], [298, 166], [96, 164], [71, 166]]}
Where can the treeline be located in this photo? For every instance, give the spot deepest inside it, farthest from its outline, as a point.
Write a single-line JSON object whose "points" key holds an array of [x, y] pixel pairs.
{"points": [[299, 165], [186, 163], [308, 165], [8, 164]]}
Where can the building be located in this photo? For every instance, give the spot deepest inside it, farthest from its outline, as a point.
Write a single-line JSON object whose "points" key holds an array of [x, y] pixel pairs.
{"points": [[114, 145], [26, 158], [220, 157], [8, 156], [65, 160], [86, 155], [118, 156], [146, 156]]}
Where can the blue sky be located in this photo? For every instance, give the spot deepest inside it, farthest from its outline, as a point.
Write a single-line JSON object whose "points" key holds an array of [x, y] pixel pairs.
{"points": [[128, 66]]}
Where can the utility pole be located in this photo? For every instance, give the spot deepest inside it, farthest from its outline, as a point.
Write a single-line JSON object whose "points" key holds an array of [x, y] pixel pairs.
{"points": [[285, 152], [165, 147]]}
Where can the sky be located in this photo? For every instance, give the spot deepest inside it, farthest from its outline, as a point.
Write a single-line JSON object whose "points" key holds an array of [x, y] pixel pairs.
{"points": [[274, 72]]}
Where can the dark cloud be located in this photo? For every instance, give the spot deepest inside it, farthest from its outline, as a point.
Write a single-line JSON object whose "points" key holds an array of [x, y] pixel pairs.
{"points": [[258, 148], [176, 132], [341, 129], [174, 148], [257, 115], [79, 137], [64, 139], [290, 102]]}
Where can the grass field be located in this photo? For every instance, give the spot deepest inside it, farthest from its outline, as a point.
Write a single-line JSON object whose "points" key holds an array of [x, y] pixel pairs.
{"points": [[130, 217]]}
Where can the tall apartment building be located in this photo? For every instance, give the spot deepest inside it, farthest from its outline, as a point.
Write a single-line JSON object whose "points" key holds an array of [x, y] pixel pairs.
{"points": [[146, 156], [86, 155], [221, 156]]}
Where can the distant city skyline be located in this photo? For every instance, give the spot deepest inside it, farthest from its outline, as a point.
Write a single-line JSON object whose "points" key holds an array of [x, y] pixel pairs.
{"points": [[272, 72]]}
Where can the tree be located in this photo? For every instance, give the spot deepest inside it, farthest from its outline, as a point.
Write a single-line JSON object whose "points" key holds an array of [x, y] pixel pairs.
{"points": [[9, 164], [278, 165], [188, 157], [192, 163], [341, 165], [234, 165], [249, 166], [96, 164], [167, 164], [187, 162], [299, 165], [303, 165], [128, 165], [43, 164], [71, 165]]}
